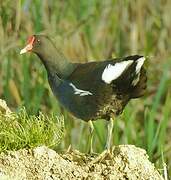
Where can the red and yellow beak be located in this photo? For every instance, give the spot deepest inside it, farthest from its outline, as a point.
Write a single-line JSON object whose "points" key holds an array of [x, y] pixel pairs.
{"points": [[29, 45]]}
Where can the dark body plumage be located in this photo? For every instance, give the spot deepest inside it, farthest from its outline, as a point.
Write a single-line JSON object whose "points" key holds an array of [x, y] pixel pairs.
{"points": [[105, 100], [91, 90]]}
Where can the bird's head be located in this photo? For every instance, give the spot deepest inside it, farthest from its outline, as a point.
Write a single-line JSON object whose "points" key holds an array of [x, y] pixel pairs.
{"points": [[46, 50], [37, 44]]}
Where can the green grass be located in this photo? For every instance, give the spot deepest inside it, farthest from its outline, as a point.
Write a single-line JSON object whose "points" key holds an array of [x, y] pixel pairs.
{"points": [[92, 30], [20, 130]]}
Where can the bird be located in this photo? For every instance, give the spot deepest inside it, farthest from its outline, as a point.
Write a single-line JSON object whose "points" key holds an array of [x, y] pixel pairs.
{"points": [[92, 90]]}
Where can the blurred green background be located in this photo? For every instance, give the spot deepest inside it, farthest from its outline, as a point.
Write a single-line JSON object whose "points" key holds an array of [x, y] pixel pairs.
{"points": [[92, 30]]}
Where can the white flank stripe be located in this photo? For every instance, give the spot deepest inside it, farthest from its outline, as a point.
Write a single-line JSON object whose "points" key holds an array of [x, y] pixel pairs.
{"points": [[112, 72], [79, 91]]}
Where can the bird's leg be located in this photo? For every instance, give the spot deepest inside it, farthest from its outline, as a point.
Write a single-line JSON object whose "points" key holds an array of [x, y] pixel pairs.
{"points": [[69, 148], [109, 134], [91, 127], [106, 152]]}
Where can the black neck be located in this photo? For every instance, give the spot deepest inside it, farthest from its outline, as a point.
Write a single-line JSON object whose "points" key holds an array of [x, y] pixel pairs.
{"points": [[55, 63]]}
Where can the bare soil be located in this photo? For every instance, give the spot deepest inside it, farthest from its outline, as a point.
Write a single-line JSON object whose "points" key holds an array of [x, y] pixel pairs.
{"points": [[42, 163]]}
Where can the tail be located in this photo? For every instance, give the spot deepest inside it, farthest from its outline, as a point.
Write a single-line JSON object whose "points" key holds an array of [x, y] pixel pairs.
{"points": [[140, 89]]}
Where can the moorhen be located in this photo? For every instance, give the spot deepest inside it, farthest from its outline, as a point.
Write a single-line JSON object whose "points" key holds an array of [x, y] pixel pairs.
{"points": [[93, 90]]}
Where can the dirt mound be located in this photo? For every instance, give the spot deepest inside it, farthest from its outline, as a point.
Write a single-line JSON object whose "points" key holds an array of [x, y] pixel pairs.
{"points": [[124, 162]]}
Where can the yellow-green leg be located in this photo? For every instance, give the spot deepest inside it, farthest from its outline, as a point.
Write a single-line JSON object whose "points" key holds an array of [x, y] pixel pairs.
{"points": [[106, 152], [91, 127], [109, 134]]}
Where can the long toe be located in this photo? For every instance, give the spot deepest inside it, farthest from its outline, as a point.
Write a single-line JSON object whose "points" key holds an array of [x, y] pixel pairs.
{"points": [[106, 154]]}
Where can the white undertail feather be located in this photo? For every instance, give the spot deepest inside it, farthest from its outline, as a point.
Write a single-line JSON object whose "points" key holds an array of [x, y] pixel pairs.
{"points": [[79, 91], [139, 65], [112, 72], [140, 62]]}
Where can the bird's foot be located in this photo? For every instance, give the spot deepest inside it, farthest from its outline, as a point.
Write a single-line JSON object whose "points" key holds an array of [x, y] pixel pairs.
{"points": [[91, 153], [106, 154]]}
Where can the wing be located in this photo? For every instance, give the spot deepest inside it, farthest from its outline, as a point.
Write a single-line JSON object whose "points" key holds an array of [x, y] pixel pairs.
{"points": [[122, 74]]}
